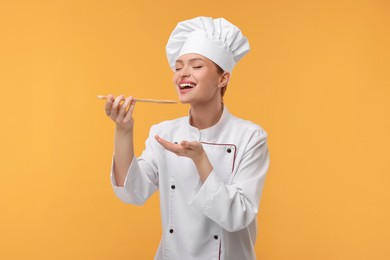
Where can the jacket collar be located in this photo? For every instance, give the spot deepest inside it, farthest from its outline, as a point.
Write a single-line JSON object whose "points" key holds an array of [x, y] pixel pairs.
{"points": [[211, 133]]}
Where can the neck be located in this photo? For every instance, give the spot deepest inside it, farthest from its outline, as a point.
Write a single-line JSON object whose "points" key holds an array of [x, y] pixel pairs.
{"points": [[205, 116]]}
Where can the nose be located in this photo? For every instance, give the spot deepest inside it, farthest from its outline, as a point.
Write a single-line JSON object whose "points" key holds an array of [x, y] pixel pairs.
{"points": [[184, 72]]}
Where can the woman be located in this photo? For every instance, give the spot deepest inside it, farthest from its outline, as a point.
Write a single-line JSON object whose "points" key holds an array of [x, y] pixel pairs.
{"points": [[209, 166]]}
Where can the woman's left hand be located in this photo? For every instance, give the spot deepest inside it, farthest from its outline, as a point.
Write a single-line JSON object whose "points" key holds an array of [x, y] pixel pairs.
{"points": [[192, 150]]}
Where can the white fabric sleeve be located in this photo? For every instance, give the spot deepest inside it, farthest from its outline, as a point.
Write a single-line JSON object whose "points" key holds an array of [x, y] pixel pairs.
{"points": [[235, 205], [142, 176]]}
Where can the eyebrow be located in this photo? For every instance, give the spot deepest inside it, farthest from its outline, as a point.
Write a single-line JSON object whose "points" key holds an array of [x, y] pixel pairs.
{"points": [[191, 60]]}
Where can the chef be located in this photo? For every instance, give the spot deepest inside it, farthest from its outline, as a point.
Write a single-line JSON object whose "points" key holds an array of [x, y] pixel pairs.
{"points": [[208, 166]]}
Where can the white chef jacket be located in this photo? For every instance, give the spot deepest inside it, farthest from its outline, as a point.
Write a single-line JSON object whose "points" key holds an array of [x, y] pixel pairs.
{"points": [[213, 220]]}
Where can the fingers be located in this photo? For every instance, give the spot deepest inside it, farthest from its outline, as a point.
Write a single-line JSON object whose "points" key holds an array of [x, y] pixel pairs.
{"points": [[184, 143], [185, 148], [129, 113], [123, 113], [168, 145], [110, 99], [191, 145], [115, 106]]}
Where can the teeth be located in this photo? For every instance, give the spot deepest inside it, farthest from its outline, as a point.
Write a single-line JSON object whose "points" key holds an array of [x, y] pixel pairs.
{"points": [[186, 85]]}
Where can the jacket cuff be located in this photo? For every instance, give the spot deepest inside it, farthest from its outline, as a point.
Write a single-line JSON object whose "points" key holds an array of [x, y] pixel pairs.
{"points": [[203, 195], [132, 168]]}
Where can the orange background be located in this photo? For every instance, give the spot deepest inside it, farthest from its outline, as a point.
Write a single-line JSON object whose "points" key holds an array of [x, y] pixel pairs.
{"points": [[317, 79]]}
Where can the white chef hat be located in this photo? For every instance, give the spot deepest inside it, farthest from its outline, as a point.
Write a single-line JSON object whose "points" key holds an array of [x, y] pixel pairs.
{"points": [[216, 39]]}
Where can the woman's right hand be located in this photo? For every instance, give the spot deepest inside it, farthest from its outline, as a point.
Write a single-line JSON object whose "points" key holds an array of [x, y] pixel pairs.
{"points": [[121, 114]]}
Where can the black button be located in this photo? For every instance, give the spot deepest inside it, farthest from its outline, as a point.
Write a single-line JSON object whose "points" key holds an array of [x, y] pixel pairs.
{"points": [[173, 187], [171, 230], [229, 150], [215, 237]]}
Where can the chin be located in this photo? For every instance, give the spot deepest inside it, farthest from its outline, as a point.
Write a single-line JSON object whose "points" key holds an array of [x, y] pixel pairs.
{"points": [[184, 100]]}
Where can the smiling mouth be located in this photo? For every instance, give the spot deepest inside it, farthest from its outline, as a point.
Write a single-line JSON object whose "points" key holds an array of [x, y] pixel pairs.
{"points": [[186, 86]]}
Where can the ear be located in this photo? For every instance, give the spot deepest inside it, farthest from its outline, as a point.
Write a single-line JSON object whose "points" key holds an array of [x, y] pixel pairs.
{"points": [[224, 79]]}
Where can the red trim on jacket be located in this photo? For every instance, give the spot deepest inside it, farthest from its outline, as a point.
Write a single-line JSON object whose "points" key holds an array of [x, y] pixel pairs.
{"points": [[235, 151]]}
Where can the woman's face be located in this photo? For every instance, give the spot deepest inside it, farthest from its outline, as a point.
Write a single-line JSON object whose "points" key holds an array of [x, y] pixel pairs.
{"points": [[197, 79]]}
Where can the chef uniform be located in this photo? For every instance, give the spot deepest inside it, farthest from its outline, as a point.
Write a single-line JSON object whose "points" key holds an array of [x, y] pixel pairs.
{"points": [[215, 219]]}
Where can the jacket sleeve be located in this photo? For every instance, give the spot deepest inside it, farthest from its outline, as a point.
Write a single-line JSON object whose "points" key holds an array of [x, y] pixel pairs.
{"points": [[142, 176], [235, 205]]}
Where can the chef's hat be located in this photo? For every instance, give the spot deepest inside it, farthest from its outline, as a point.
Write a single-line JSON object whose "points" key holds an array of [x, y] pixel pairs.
{"points": [[216, 39]]}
